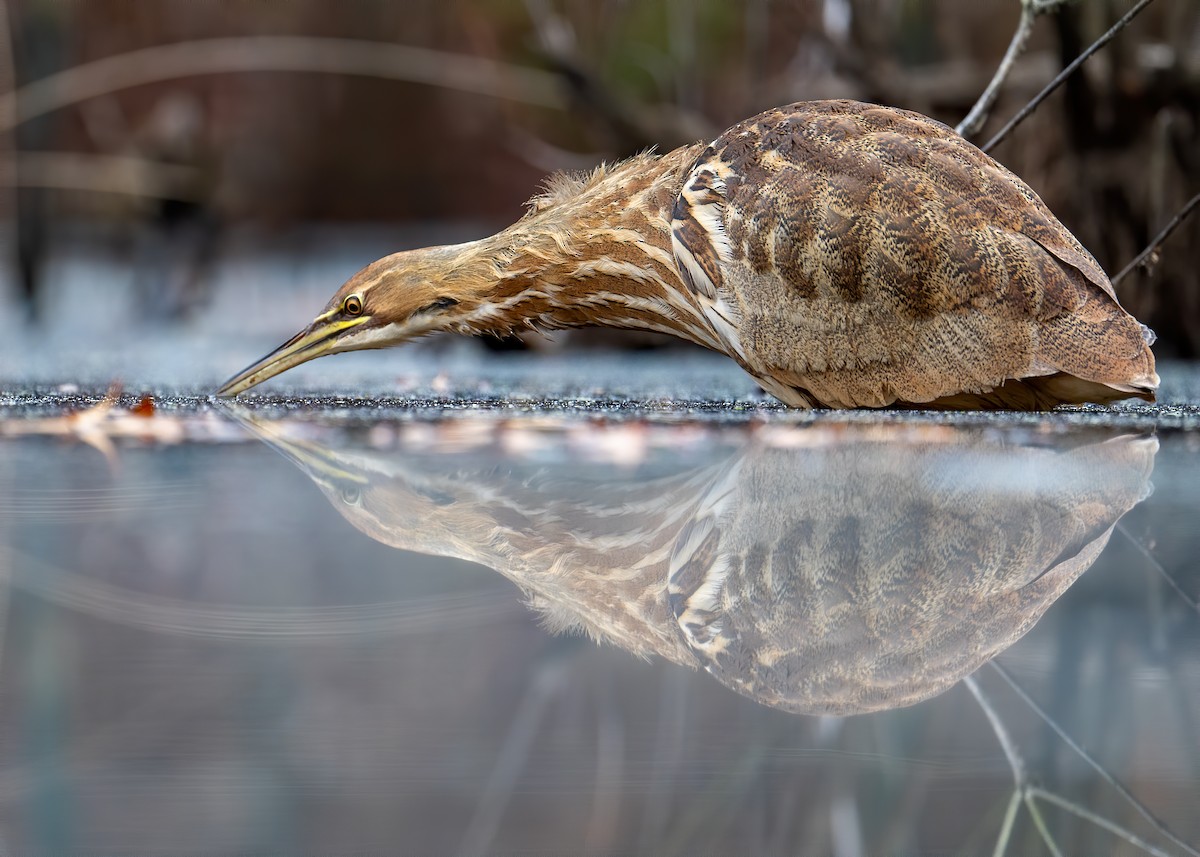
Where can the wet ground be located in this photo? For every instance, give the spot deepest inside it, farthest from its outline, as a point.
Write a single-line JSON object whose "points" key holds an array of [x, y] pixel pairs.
{"points": [[437, 601]]}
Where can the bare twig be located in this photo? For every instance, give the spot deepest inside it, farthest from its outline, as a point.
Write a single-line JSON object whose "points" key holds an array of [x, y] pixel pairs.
{"points": [[102, 173], [1040, 823], [1030, 10], [1156, 565], [1007, 744], [1096, 819], [1121, 788], [1033, 105], [1006, 828], [1162, 236], [8, 141], [1015, 763], [180, 617], [545, 684], [280, 53], [1024, 791]]}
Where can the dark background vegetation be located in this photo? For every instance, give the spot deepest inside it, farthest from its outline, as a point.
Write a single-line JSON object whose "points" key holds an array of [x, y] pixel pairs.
{"points": [[1114, 152]]}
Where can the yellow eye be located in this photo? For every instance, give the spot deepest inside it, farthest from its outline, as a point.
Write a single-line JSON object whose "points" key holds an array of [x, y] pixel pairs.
{"points": [[352, 305]]}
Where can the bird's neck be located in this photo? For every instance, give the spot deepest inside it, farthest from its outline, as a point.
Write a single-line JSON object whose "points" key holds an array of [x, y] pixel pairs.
{"points": [[593, 251]]}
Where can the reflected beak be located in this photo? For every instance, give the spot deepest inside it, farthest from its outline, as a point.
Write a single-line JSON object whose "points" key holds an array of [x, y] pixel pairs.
{"points": [[320, 338], [321, 464]]}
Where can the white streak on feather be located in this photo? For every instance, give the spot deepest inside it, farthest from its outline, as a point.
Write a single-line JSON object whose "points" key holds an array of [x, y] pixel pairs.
{"points": [[721, 315], [684, 258]]}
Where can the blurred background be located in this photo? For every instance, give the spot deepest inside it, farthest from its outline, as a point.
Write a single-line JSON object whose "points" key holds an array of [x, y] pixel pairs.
{"points": [[143, 162], [197, 649]]}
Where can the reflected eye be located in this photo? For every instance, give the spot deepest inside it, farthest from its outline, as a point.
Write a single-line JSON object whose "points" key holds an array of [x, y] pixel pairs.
{"points": [[351, 496], [352, 305]]}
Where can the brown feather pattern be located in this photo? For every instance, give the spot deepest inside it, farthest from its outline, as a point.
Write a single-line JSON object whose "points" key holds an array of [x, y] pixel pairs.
{"points": [[844, 254], [879, 258], [858, 570]]}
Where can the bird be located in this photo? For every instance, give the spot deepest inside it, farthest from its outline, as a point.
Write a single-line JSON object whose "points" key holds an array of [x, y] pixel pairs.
{"points": [[844, 254], [814, 570]]}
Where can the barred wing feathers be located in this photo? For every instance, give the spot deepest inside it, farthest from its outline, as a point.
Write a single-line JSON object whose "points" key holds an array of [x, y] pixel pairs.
{"points": [[854, 255]]}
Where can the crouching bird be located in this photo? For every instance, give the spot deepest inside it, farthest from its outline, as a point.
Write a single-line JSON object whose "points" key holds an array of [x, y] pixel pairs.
{"points": [[844, 254]]}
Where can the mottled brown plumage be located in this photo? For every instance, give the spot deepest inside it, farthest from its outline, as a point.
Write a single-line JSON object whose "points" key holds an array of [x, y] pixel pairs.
{"points": [[872, 255], [844, 254], [866, 575], [818, 572]]}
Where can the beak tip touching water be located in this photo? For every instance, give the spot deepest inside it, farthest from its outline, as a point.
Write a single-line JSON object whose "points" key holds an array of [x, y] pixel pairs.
{"points": [[254, 374], [231, 388], [319, 338], [301, 347], [234, 385]]}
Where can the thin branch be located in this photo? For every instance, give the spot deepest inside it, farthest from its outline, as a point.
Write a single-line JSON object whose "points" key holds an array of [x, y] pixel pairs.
{"points": [[1092, 763], [1152, 248], [1033, 105], [1025, 792], [1007, 744], [8, 141], [177, 616], [1030, 10], [544, 685], [1096, 819], [101, 173], [1156, 565], [1020, 776], [280, 53], [1039, 822], [1015, 763], [1006, 828]]}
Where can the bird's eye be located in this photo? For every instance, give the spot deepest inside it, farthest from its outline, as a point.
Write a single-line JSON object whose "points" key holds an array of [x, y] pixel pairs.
{"points": [[352, 305]]}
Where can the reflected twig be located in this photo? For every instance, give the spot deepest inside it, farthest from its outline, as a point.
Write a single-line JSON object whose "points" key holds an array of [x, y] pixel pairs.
{"points": [[672, 723], [157, 613], [1027, 793], [1121, 789], [1010, 818], [1157, 566], [1096, 819], [545, 684], [845, 823], [712, 808], [609, 767], [1015, 762], [1039, 822]]}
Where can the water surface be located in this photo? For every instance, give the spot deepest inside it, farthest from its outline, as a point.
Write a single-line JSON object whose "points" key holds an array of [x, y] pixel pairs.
{"points": [[386, 630]]}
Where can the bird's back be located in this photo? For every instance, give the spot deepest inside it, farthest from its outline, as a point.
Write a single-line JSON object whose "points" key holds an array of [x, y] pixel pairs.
{"points": [[855, 255]]}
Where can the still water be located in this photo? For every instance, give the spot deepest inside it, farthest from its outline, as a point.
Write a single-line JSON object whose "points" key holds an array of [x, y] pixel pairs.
{"points": [[488, 634]]}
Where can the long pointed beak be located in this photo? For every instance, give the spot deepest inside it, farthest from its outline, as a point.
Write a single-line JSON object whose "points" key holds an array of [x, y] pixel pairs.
{"points": [[319, 338]]}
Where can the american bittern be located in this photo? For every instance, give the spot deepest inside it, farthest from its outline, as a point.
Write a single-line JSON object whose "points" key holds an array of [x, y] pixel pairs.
{"points": [[844, 254], [859, 572]]}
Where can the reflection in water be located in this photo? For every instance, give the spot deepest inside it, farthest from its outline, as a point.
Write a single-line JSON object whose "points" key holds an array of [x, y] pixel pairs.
{"points": [[815, 570]]}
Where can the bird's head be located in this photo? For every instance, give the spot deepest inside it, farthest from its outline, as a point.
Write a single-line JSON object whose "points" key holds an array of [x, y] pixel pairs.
{"points": [[395, 299]]}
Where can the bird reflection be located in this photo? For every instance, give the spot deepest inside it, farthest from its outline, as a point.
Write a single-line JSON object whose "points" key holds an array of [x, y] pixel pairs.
{"points": [[830, 570]]}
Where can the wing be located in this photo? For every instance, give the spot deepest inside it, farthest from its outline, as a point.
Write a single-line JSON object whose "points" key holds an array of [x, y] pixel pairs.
{"points": [[856, 255]]}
